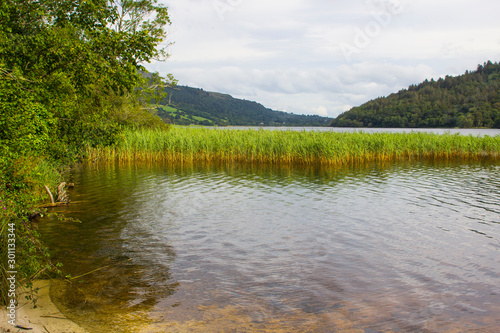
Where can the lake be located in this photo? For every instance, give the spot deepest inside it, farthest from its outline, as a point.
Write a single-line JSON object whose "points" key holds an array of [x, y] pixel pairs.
{"points": [[462, 131], [240, 248]]}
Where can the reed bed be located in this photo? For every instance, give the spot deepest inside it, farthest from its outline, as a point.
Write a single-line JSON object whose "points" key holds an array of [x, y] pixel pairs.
{"points": [[189, 144]]}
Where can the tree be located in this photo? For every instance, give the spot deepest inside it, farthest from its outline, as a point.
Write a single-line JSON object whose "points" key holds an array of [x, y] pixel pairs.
{"points": [[70, 77], [79, 57]]}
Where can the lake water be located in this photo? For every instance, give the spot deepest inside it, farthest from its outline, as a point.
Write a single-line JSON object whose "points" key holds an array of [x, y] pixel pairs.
{"points": [[462, 131], [406, 247]]}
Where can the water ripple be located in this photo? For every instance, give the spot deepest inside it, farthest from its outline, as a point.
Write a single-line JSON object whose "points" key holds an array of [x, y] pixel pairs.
{"points": [[409, 247]]}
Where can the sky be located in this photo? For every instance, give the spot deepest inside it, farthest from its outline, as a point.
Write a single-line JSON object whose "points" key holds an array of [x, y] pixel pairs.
{"points": [[325, 56]]}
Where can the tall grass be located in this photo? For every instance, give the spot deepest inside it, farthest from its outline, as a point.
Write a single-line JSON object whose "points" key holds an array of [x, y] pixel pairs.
{"points": [[187, 144]]}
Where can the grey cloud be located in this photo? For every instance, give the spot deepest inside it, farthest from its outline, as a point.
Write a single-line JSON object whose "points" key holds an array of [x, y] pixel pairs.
{"points": [[287, 54]]}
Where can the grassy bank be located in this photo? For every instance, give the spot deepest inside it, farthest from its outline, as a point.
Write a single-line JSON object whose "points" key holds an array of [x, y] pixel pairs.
{"points": [[186, 144], [64, 94], [22, 190]]}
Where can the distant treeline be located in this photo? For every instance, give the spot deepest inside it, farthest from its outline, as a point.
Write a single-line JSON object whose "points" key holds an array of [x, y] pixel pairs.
{"points": [[221, 109], [469, 100]]}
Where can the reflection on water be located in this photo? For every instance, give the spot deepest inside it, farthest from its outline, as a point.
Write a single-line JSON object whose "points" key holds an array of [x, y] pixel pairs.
{"points": [[404, 247]]}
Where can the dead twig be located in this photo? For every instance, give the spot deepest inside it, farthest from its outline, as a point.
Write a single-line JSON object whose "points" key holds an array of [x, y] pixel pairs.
{"points": [[50, 194], [97, 269], [55, 317]]}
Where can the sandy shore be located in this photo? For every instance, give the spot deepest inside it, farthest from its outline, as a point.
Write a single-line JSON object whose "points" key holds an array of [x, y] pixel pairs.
{"points": [[45, 318]]}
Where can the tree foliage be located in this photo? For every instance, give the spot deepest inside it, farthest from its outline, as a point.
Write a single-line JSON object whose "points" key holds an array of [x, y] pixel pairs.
{"points": [[71, 76], [469, 100], [77, 62]]}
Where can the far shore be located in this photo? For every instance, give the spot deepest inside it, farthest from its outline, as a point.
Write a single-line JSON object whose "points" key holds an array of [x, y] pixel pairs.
{"points": [[44, 318]]}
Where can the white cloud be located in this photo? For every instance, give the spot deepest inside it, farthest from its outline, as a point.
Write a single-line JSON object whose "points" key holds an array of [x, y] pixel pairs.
{"points": [[287, 54], [320, 110]]}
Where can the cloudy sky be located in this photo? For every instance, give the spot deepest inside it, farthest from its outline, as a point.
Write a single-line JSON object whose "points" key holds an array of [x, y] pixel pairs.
{"points": [[325, 56]]}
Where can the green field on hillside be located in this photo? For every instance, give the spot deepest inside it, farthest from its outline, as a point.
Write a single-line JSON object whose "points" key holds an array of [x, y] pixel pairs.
{"points": [[180, 117]]}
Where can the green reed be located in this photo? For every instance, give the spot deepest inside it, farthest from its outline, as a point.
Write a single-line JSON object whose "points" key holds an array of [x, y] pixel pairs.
{"points": [[189, 144]]}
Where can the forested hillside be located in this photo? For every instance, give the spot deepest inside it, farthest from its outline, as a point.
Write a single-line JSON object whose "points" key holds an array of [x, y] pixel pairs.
{"points": [[186, 105], [469, 100]]}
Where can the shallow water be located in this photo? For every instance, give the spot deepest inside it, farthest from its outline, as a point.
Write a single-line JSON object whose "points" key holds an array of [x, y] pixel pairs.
{"points": [[403, 247]]}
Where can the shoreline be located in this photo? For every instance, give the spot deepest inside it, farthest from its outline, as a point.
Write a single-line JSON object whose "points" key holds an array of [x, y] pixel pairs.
{"points": [[45, 318]]}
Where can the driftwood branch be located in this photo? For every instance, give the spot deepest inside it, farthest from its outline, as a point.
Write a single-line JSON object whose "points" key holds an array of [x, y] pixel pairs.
{"points": [[62, 195], [50, 194], [55, 317]]}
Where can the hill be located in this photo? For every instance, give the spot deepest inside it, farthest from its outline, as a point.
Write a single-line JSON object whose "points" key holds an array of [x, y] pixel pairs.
{"points": [[185, 105], [468, 100]]}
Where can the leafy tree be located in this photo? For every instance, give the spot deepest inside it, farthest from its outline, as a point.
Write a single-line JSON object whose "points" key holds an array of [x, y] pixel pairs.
{"points": [[77, 58], [71, 76]]}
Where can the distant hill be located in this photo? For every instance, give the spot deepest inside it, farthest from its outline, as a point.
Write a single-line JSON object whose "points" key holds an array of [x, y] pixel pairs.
{"points": [[186, 105], [469, 100]]}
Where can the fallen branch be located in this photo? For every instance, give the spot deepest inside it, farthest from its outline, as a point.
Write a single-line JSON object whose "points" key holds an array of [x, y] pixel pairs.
{"points": [[55, 317], [62, 196], [50, 194], [56, 204], [97, 269]]}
